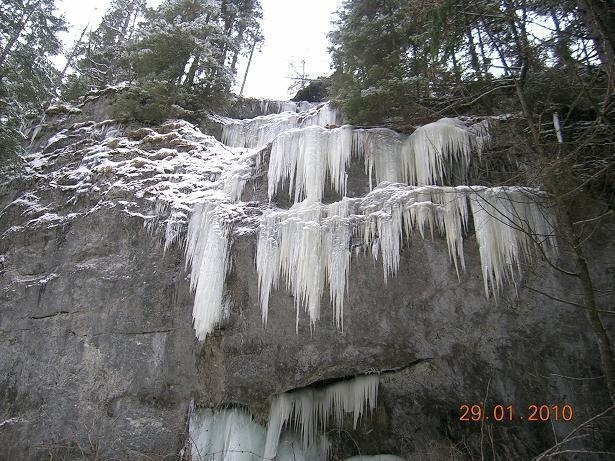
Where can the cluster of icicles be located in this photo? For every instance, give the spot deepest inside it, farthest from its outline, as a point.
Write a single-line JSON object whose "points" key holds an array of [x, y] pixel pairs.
{"points": [[297, 424], [260, 131], [309, 245], [434, 154]]}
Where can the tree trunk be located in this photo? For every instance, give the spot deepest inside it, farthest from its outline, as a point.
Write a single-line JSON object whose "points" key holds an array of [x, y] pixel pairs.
{"points": [[69, 61], [589, 296], [599, 17], [485, 61], [473, 55], [245, 76], [24, 20], [239, 39], [192, 71]]}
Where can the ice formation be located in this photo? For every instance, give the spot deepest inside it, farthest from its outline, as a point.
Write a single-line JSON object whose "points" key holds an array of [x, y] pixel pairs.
{"points": [[188, 177], [309, 410], [233, 435], [191, 177], [269, 106], [226, 435], [306, 157], [207, 251], [431, 155], [309, 244], [381, 150], [306, 245], [260, 131], [511, 224]]}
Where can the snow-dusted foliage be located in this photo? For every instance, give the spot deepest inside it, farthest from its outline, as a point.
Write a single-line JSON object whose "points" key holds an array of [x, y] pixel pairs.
{"points": [[309, 245], [233, 435], [309, 410], [260, 131], [511, 224]]}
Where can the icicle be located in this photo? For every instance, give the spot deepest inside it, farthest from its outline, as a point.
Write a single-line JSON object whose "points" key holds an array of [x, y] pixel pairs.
{"points": [[296, 255], [309, 244], [381, 150], [392, 210], [207, 253], [482, 135], [306, 245], [233, 435], [425, 157], [234, 186], [430, 152], [308, 410], [174, 227], [306, 156], [454, 221], [510, 223]]}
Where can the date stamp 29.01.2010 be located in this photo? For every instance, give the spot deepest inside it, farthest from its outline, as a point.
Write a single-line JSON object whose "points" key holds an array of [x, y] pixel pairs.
{"points": [[507, 413]]}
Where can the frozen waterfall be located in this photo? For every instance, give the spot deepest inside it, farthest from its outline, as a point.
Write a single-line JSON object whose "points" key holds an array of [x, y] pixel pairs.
{"points": [[309, 246], [432, 155]]}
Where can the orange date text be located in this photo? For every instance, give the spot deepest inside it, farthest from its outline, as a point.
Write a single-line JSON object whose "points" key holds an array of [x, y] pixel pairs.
{"points": [[505, 413]]}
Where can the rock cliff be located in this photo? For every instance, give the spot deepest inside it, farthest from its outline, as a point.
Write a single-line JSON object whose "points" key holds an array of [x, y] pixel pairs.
{"points": [[99, 354]]}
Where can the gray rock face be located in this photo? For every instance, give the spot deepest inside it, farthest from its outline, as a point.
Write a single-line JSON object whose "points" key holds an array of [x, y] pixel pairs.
{"points": [[99, 360], [97, 342]]}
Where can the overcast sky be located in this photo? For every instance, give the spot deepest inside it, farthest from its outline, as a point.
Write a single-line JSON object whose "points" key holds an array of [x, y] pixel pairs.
{"points": [[294, 30]]}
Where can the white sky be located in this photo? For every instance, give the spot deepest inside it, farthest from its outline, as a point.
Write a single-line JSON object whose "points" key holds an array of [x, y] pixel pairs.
{"points": [[294, 30]]}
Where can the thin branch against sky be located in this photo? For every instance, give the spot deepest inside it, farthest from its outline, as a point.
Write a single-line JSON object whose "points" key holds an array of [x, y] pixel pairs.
{"points": [[294, 30]]}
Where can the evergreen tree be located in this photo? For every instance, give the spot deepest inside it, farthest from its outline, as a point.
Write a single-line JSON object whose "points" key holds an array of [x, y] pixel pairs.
{"points": [[28, 37], [396, 55], [187, 50], [103, 58], [196, 43]]}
